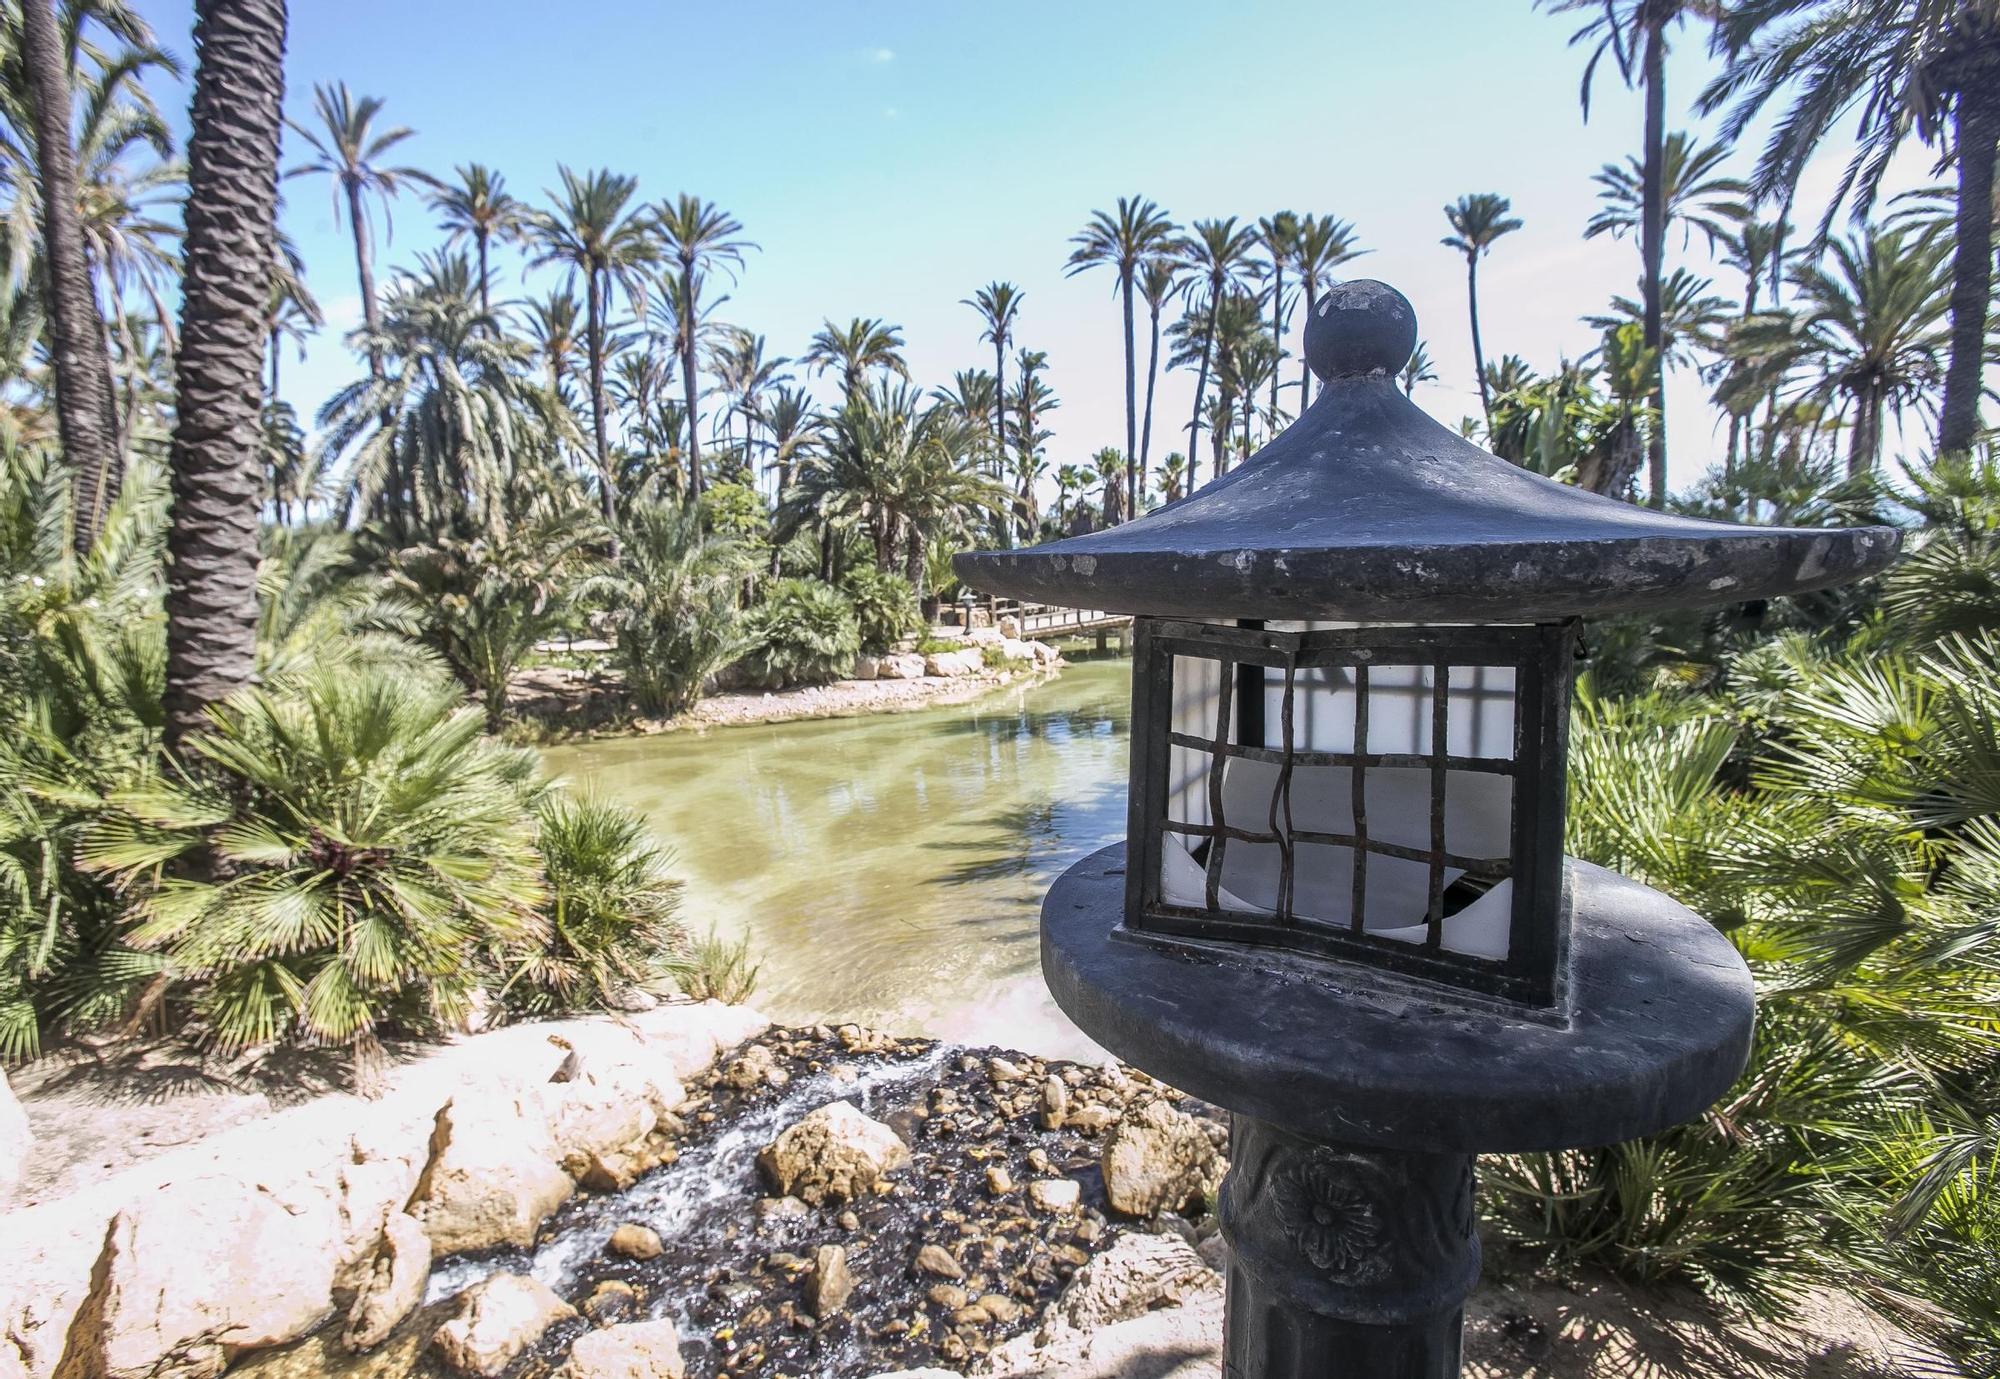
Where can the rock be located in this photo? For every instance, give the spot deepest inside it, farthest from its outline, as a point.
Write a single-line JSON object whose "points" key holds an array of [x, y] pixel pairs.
{"points": [[635, 1242], [630, 1350], [904, 665], [610, 1301], [947, 1295], [1159, 1159], [1091, 1117], [1214, 1252], [936, 1260], [610, 1172], [1002, 1071], [781, 1209], [952, 664], [1055, 1103], [1055, 1194], [394, 1287], [867, 667], [493, 1176], [1016, 650], [14, 1139], [1147, 1282], [999, 1182], [984, 636], [834, 1153], [1009, 625], [831, 1284], [1045, 654], [1000, 1307], [756, 1068], [919, 1374], [499, 1317]]}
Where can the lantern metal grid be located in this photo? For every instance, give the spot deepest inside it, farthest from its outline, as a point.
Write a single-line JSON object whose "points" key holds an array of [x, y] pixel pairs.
{"points": [[1254, 665]]}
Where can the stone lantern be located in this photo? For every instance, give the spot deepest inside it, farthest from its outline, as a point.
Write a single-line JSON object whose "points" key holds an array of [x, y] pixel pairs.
{"points": [[1342, 910]]}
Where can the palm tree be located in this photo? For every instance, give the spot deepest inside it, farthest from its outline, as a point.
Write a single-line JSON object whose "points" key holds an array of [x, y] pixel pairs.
{"points": [[1634, 33], [1324, 242], [350, 151], [1477, 222], [1217, 255], [1868, 328], [864, 343], [1278, 235], [594, 231], [698, 236], [1032, 401], [1417, 370], [237, 118], [1173, 477], [998, 305], [675, 605], [1070, 479], [1123, 242], [1160, 281], [794, 426], [552, 326], [1910, 66], [76, 330], [1110, 468], [745, 375], [479, 209]]}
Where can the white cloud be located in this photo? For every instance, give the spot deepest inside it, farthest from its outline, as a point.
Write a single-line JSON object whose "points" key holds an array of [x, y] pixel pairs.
{"points": [[881, 54]]}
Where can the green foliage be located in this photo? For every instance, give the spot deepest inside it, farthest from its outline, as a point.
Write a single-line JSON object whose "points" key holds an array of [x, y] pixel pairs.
{"points": [[351, 846], [720, 970], [885, 607], [673, 605], [803, 633], [611, 909]]}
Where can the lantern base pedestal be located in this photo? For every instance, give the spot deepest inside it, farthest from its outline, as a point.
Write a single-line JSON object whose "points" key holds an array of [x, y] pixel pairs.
{"points": [[1360, 1098], [1344, 1261]]}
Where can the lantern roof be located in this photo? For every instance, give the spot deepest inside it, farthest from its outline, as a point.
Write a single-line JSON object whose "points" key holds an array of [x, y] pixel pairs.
{"points": [[1366, 508]]}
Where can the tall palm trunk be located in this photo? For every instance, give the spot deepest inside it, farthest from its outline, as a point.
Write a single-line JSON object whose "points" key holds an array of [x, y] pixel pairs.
{"points": [[1478, 349], [688, 380], [479, 237], [1652, 247], [82, 365], [1278, 328], [1003, 525], [1131, 400], [1978, 121], [1201, 377], [1305, 368], [364, 268], [1865, 449], [1152, 376], [231, 215], [593, 330]]}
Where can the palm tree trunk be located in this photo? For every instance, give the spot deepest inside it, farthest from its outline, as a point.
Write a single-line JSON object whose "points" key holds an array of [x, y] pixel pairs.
{"points": [[231, 215], [479, 238], [1305, 369], [1865, 449], [1131, 401], [1478, 350], [594, 345], [1277, 327], [688, 376], [1978, 120], [1152, 377], [1652, 246], [82, 365], [1201, 377]]}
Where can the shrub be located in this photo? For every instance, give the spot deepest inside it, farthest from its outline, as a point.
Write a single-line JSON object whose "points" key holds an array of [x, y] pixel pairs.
{"points": [[720, 970], [610, 911], [351, 852], [803, 633], [885, 607], [674, 609]]}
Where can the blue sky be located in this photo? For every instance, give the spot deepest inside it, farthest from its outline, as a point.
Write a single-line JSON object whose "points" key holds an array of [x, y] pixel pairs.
{"points": [[889, 158]]}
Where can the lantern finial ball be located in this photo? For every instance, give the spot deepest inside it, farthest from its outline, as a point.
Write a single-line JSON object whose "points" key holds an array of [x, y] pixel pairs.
{"points": [[1359, 328]]}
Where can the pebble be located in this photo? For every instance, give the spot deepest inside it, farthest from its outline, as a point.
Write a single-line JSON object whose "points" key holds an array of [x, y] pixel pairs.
{"points": [[1055, 1194], [831, 1283], [999, 1181], [947, 1295], [1055, 1103], [934, 1259], [1000, 1070], [635, 1242], [1000, 1307]]}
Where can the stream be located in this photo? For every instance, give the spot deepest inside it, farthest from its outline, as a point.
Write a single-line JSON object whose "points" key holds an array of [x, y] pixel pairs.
{"points": [[889, 869]]}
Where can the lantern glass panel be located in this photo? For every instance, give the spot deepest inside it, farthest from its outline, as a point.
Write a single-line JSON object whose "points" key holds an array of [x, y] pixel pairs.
{"points": [[1359, 782]]}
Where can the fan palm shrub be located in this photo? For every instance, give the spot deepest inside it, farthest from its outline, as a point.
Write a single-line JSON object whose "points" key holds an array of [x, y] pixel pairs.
{"points": [[885, 607], [673, 595], [610, 912], [803, 633], [364, 847]]}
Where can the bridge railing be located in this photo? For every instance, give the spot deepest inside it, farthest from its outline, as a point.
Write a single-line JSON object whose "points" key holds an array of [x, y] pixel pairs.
{"points": [[1041, 619]]}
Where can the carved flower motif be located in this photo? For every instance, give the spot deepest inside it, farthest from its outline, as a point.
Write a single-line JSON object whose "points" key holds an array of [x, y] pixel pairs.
{"points": [[1328, 1216]]}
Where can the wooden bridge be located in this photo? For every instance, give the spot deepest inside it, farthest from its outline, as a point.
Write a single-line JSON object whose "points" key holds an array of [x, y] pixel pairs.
{"points": [[1044, 622]]}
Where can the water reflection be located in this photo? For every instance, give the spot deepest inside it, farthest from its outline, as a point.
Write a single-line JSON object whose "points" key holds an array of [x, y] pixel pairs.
{"points": [[890, 869]]}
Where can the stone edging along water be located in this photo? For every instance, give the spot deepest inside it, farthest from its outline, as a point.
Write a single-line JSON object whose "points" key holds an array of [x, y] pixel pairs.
{"points": [[176, 1266]]}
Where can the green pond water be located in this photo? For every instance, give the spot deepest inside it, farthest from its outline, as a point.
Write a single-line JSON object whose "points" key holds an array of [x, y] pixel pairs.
{"points": [[889, 869]]}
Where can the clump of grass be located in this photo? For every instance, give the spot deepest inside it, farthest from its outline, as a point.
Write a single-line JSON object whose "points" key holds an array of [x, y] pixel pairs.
{"points": [[719, 969]]}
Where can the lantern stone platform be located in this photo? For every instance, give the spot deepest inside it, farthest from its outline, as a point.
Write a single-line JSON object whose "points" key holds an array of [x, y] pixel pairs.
{"points": [[1342, 910]]}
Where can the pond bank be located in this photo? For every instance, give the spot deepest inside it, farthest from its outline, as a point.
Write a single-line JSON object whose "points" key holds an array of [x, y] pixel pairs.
{"points": [[967, 1211]]}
